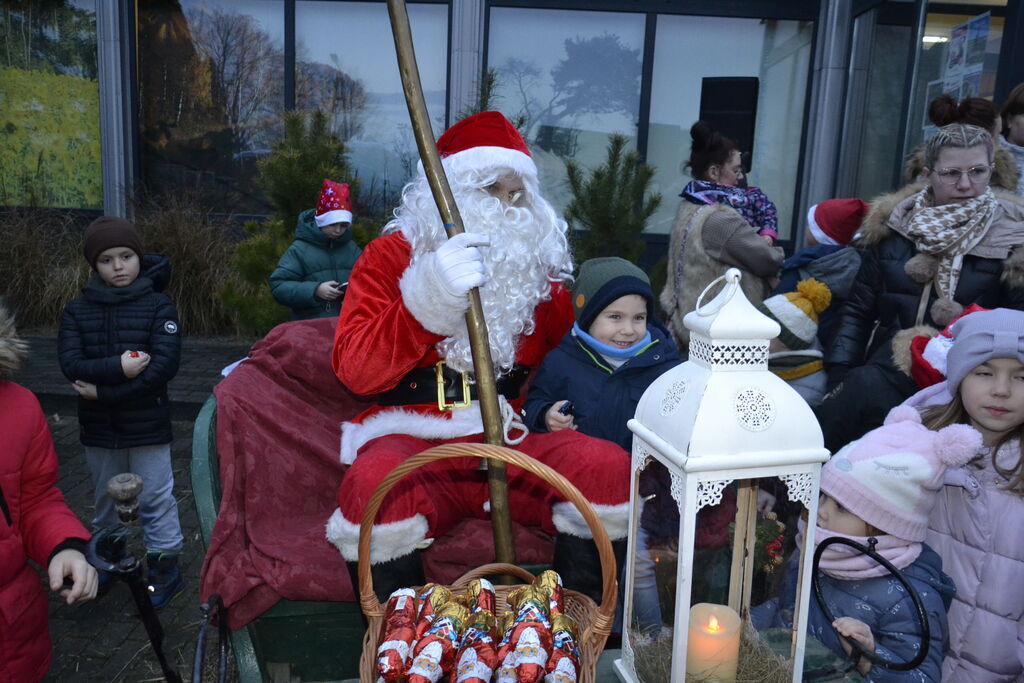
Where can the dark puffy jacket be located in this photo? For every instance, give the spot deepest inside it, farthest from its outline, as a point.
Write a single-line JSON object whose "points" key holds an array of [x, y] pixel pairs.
{"points": [[310, 260], [834, 265], [883, 604], [604, 399], [884, 299], [96, 329]]}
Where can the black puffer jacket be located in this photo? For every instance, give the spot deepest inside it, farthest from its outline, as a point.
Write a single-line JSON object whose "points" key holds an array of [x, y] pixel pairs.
{"points": [[96, 329], [884, 296]]}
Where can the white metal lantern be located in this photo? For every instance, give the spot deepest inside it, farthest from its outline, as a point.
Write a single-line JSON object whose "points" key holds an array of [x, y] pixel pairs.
{"points": [[721, 417]]}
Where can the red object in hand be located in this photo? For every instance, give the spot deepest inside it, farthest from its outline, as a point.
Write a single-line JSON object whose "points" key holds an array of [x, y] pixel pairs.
{"points": [[133, 354]]}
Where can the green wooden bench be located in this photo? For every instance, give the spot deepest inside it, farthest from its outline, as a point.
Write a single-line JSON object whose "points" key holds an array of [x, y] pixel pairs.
{"points": [[314, 641]]}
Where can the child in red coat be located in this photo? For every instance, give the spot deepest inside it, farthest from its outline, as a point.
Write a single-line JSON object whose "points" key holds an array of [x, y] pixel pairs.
{"points": [[35, 524]]}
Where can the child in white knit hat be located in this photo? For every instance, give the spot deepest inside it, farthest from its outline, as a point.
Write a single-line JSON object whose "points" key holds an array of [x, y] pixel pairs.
{"points": [[796, 355], [881, 489]]}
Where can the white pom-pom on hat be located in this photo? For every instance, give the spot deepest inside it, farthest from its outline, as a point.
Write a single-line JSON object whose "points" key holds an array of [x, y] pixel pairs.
{"points": [[957, 444]]}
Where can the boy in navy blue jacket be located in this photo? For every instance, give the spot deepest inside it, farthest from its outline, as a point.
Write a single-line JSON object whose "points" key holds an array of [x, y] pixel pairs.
{"points": [[607, 360], [593, 380], [119, 345]]}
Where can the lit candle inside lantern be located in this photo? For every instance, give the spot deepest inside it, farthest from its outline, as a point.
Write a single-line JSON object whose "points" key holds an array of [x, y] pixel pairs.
{"points": [[713, 644]]}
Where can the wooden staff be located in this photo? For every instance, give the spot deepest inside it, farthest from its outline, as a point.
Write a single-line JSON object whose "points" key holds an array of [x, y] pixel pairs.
{"points": [[487, 390]]}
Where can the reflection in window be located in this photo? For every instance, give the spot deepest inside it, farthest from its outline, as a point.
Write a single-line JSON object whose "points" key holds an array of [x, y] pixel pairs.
{"points": [[49, 107], [879, 137], [689, 49], [355, 81], [571, 85], [959, 56], [211, 92]]}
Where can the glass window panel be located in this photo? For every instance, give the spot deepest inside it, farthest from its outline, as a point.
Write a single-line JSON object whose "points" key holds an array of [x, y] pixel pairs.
{"points": [[356, 82], [49, 106], [886, 80], [777, 52], [572, 83], [959, 56], [211, 93]]}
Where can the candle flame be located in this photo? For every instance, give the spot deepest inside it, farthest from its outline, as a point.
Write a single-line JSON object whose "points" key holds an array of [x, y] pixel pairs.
{"points": [[713, 625]]}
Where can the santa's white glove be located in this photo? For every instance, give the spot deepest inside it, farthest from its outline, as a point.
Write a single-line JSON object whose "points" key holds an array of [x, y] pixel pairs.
{"points": [[460, 265], [434, 287]]}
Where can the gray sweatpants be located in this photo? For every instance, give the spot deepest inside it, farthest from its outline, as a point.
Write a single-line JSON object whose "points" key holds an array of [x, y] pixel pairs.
{"points": [[158, 509]]}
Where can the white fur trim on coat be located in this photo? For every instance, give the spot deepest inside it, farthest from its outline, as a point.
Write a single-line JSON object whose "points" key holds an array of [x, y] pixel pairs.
{"points": [[568, 520], [424, 296], [355, 435], [389, 541]]}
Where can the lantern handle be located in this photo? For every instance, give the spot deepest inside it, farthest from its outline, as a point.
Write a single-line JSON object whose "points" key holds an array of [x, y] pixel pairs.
{"points": [[732, 278], [922, 615]]}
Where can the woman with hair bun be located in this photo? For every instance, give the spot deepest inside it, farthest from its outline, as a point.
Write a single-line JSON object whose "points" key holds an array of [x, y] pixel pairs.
{"points": [[1013, 131], [718, 225], [944, 110]]}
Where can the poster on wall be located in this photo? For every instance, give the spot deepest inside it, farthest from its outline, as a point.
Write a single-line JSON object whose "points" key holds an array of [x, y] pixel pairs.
{"points": [[964, 75]]}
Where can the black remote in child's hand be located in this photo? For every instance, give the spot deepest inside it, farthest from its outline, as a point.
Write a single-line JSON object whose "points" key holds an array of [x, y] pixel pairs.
{"points": [[566, 408]]}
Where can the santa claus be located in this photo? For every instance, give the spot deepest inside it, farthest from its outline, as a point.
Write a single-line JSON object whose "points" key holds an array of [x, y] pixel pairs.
{"points": [[402, 338]]}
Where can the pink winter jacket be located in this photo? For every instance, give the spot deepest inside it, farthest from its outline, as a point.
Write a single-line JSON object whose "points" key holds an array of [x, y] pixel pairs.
{"points": [[975, 528]]}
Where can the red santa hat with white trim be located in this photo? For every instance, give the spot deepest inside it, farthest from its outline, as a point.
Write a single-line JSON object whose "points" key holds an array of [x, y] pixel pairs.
{"points": [[485, 141], [835, 221], [928, 353], [334, 205]]}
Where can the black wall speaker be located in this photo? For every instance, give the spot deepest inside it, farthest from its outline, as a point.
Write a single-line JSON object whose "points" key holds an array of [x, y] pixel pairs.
{"points": [[730, 105]]}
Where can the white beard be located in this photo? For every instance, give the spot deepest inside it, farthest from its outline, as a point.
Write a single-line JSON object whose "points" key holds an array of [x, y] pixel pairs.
{"points": [[528, 252]]}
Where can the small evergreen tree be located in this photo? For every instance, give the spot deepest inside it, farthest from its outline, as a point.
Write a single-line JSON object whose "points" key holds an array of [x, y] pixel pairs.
{"points": [[290, 176], [611, 203]]}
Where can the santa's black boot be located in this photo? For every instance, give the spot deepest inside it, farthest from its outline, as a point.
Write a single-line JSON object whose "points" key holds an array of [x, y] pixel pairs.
{"points": [[402, 572], [577, 562]]}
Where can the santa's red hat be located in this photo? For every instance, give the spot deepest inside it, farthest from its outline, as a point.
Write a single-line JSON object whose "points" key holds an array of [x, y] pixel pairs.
{"points": [[835, 221], [485, 141], [334, 205]]}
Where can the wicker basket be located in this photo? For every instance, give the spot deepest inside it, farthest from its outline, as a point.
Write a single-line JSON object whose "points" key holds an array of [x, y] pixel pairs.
{"points": [[594, 622]]}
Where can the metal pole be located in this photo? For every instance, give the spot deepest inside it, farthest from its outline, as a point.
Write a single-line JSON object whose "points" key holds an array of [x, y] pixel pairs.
{"points": [[910, 83], [487, 389]]}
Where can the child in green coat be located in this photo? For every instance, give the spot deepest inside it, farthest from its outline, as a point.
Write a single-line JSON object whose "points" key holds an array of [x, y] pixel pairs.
{"points": [[311, 276]]}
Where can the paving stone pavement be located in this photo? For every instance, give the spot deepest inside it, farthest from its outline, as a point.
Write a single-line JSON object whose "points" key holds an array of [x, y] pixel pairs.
{"points": [[103, 640]]}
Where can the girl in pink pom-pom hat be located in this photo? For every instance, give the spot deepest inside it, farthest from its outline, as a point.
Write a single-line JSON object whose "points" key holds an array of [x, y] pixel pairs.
{"points": [[880, 490]]}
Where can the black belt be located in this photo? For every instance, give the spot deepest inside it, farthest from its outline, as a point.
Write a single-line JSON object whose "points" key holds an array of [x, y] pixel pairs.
{"points": [[421, 386]]}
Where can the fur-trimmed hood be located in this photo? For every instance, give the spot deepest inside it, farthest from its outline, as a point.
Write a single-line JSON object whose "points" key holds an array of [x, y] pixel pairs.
{"points": [[1005, 174], [901, 356], [876, 225], [12, 348]]}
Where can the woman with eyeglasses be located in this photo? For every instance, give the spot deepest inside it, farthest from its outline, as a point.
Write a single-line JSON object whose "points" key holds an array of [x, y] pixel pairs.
{"points": [[975, 111], [926, 256]]}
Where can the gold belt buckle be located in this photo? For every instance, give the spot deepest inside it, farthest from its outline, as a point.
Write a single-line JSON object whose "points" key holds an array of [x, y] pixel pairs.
{"points": [[442, 404]]}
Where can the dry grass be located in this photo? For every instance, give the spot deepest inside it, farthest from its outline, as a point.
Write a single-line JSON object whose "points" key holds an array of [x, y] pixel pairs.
{"points": [[200, 252], [41, 266], [758, 663], [42, 269]]}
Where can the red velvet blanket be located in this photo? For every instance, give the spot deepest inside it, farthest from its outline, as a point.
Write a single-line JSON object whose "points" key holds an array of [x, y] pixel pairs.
{"points": [[278, 433]]}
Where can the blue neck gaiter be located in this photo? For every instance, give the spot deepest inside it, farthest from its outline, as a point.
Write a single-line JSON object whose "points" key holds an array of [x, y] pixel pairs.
{"points": [[611, 351]]}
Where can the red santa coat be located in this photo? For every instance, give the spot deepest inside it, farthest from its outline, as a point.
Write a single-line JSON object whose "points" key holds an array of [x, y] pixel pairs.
{"points": [[36, 520], [378, 341]]}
